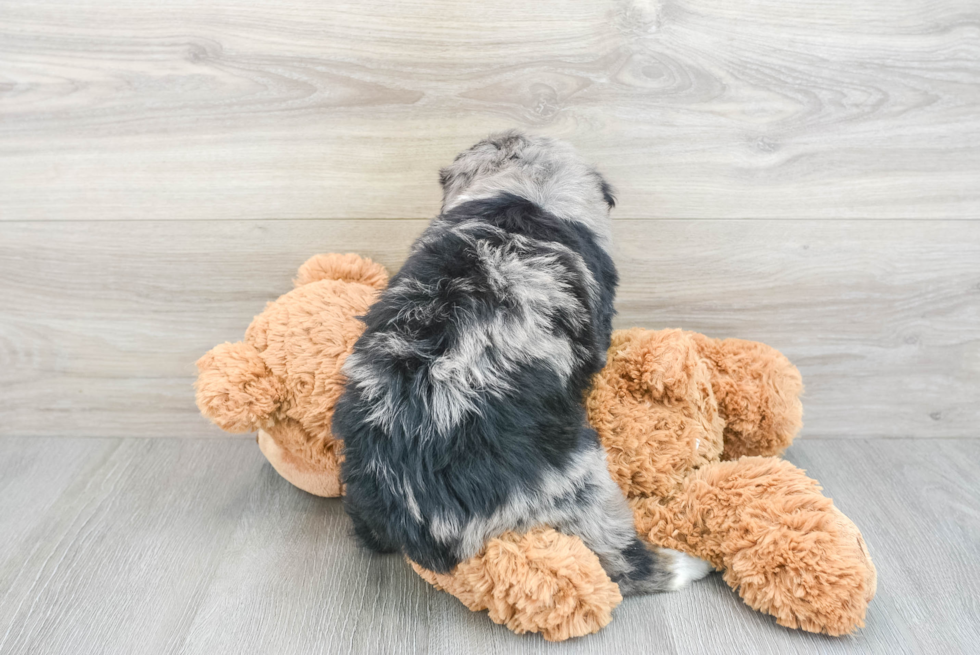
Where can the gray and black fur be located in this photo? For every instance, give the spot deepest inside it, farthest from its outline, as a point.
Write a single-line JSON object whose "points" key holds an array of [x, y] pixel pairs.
{"points": [[463, 417]]}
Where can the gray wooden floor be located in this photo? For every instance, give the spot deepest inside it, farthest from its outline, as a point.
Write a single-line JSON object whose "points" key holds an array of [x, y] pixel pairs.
{"points": [[196, 546]]}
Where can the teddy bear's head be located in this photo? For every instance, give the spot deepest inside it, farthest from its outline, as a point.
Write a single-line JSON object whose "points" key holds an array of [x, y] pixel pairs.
{"points": [[285, 377]]}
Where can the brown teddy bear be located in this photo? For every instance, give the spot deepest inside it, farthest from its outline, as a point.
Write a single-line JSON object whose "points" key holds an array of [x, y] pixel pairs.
{"points": [[692, 428]]}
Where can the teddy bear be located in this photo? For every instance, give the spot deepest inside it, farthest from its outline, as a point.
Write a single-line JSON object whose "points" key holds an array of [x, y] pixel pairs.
{"points": [[692, 427]]}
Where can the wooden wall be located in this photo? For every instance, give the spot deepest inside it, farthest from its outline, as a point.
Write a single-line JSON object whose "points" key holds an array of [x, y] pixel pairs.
{"points": [[805, 174]]}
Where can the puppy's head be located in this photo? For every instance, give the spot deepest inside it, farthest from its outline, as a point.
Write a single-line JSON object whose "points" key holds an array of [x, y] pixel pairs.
{"points": [[548, 172]]}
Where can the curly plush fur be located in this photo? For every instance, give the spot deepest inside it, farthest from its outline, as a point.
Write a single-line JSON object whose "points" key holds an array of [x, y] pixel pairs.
{"points": [[670, 407], [539, 581]]}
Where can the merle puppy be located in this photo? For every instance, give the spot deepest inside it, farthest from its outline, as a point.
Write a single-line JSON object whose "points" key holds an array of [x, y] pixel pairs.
{"points": [[462, 416]]}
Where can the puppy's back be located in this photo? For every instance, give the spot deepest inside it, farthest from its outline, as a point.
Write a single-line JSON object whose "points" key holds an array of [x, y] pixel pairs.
{"points": [[467, 382]]}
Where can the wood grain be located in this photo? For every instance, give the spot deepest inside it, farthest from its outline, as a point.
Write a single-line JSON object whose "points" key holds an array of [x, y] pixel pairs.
{"points": [[119, 563], [101, 322], [122, 109], [198, 546]]}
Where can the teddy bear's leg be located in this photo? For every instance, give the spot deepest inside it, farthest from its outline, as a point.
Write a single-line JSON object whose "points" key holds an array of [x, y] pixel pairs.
{"points": [[758, 394], [288, 448], [781, 544], [542, 581]]}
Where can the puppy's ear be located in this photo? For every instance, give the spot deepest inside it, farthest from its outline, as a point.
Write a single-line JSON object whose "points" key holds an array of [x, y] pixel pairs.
{"points": [[235, 389], [608, 194], [346, 268]]}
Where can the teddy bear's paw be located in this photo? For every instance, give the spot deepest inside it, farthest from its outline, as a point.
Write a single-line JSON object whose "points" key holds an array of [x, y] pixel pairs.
{"points": [[685, 568], [540, 581]]}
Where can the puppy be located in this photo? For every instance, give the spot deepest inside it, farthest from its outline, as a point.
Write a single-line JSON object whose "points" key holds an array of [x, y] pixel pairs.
{"points": [[462, 416]]}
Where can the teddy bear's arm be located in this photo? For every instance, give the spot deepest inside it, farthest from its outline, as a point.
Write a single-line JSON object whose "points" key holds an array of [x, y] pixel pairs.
{"points": [[540, 581]]}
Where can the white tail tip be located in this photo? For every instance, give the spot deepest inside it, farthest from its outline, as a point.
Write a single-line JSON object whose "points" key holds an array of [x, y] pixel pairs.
{"points": [[686, 569]]}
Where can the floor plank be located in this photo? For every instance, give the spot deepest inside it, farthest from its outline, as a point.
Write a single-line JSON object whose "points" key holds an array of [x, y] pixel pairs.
{"points": [[197, 546], [100, 324], [118, 564], [121, 109]]}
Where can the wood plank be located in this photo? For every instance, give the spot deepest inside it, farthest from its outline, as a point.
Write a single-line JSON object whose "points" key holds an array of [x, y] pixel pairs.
{"points": [[119, 109], [100, 323], [60, 463], [198, 546], [118, 564], [882, 318]]}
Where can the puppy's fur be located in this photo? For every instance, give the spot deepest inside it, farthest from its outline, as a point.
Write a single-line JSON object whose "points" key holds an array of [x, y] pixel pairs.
{"points": [[462, 416]]}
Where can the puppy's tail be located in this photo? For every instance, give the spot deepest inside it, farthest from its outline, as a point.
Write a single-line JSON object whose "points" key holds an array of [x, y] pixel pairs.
{"points": [[605, 524], [685, 569], [652, 570]]}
